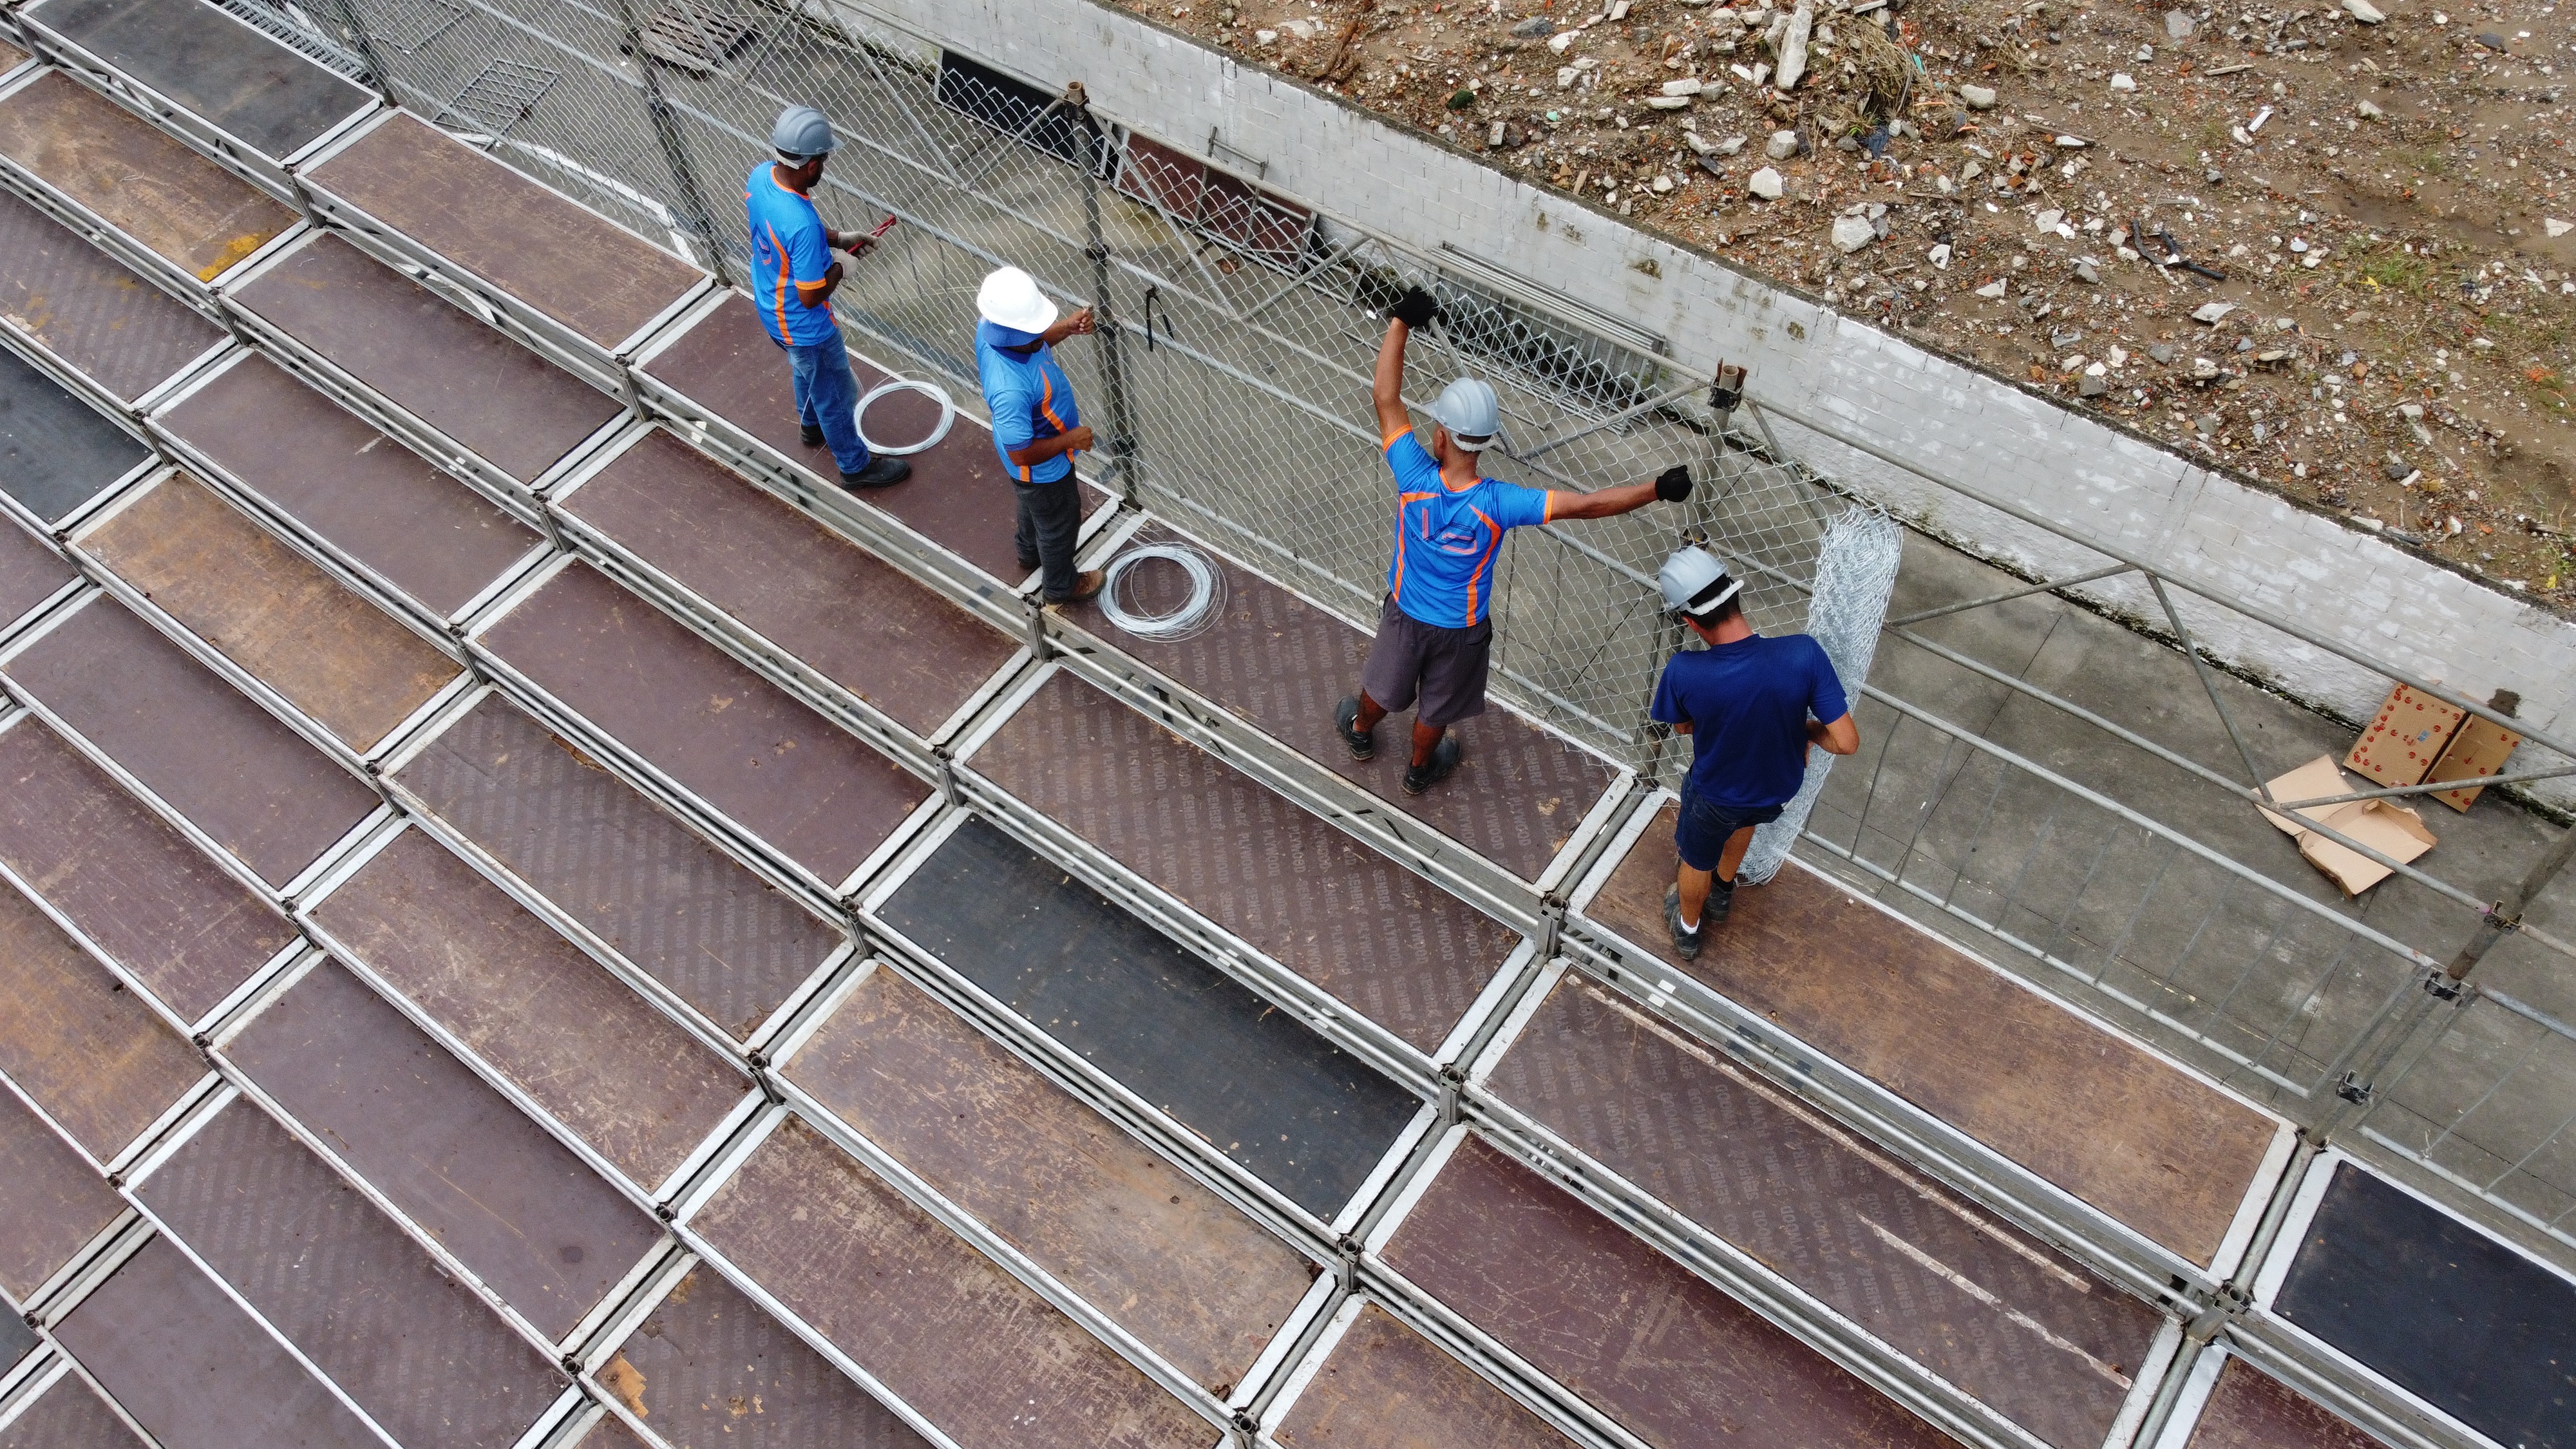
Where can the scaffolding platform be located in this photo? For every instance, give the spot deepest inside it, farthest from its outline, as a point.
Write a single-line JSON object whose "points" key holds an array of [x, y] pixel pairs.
{"points": [[1384, 1386], [52, 1206], [33, 577], [90, 1055], [68, 1415], [2245, 1408], [58, 454], [107, 332]]}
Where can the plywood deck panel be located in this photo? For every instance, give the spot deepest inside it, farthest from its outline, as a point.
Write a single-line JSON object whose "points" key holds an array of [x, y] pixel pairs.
{"points": [[554, 1022], [1990, 1309], [1300, 1114], [1405, 953], [248, 86], [555, 255], [194, 1370], [728, 942], [1171, 1261], [1282, 665], [11, 56], [2248, 1409], [71, 1415], [140, 890], [56, 451], [1386, 1387], [77, 1042], [610, 1432], [833, 605], [30, 573], [971, 1348], [52, 1204], [2473, 1327], [516, 1207], [1657, 1349], [425, 533], [178, 204], [710, 1369], [17, 1341], [230, 767], [120, 331], [771, 764], [2099, 1116], [511, 407], [269, 609]]}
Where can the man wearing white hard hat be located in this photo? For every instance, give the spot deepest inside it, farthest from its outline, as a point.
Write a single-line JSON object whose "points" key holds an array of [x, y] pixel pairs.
{"points": [[1036, 427], [1752, 707], [793, 277], [1434, 641]]}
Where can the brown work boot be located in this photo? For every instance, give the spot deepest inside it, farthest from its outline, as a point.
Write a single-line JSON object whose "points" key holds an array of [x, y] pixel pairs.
{"points": [[1085, 585]]}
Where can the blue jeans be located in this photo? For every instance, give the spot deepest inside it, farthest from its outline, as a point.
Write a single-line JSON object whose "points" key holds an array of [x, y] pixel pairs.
{"points": [[827, 397]]}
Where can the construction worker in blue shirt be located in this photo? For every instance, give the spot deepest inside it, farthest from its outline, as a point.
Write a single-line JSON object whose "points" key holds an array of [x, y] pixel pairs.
{"points": [[793, 276], [1434, 641], [1036, 426]]}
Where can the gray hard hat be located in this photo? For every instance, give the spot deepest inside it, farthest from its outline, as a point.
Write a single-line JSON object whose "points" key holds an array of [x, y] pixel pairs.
{"points": [[1695, 583], [802, 133], [1470, 411]]}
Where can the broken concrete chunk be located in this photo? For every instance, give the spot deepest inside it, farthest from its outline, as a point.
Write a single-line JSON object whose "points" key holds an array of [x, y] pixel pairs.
{"points": [[1533, 28], [1559, 41], [2087, 273], [2555, 227], [1781, 146], [1697, 143], [2047, 220], [1939, 257], [1764, 183], [1730, 145], [1979, 98], [2213, 313], [1687, 86], [2160, 351], [1851, 233], [2364, 11], [2369, 111], [1662, 184], [1992, 291], [2179, 26], [2123, 81], [1668, 103], [1793, 48]]}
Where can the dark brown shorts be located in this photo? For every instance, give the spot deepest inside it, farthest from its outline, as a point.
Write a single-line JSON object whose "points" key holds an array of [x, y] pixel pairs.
{"points": [[1445, 667]]}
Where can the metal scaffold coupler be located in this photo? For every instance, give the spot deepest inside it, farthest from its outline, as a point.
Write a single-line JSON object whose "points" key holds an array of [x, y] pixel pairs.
{"points": [[1453, 1091], [1346, 1263]]}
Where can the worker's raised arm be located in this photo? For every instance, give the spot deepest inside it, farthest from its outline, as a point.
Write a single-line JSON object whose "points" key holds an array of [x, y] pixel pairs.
{"points": [[1672, 485], [1386, 388]]}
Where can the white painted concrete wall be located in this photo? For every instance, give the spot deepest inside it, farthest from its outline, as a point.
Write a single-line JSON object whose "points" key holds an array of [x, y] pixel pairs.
{"points": [[2093, 481]]}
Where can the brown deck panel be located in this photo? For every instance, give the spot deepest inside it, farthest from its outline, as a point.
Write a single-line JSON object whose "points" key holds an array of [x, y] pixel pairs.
{"points": [[194, 1370], [425, 533], [957, 495], [516, 410], [515, 1206], [334, 655], [71, 1415], [126, 878], [175, 202], [240, 775], [610, 1432], [1282, 664], [1165, 1257], [1387, 1387], [74, 1039], [852, 618], [428, 1361], [2249, 1409], [1404, 952], [741, 744], [971, 1348], [51, 1203], [11, 56], [2104, 1119], [557, 256], [1991, 1310], [122, 332], [1638, 1336], [729, 943], [553, 1021], [708, 1353], [250, 87], [30, 573]]}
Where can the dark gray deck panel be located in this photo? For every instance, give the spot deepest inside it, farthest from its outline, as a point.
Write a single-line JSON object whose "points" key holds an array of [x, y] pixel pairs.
{"points": [[516, 1207], [140, 890], [510, 406], [71, 1415], [1301, 1114], [2475, 1328], [741, 744], [971, 1348], [727, 942], [426, 1359], [77, 1042], [1387, 1387], [552, 1021], [701, 1360], [52, 1204], [56, 451], [248, 86], [120, 331], [17, 1341], [194, 1370], [2248, 1409], [236, 772], [30, 573]]}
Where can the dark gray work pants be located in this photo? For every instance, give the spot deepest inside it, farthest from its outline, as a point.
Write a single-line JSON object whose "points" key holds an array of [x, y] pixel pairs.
{"points": [[1050, 517]]}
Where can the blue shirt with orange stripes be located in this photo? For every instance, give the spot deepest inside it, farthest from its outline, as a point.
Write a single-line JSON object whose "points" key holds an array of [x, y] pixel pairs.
{"points": [[790, 252], [1028, 397], [1445, 538]]}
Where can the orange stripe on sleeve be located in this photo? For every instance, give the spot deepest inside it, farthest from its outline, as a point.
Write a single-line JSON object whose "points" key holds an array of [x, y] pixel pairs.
{"points": [[1391, 438]]}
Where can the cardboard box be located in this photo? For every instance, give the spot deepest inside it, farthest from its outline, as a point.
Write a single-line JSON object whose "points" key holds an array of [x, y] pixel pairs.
{"points": [[2318, 779], [2480, 748], [2391, 829], [2401, 742]]}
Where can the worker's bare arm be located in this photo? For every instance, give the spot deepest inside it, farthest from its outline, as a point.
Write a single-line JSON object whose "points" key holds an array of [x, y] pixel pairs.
{"points": [[1076, 440], [1607, 503], [1075, 325], [1683, 728], [1841, 737], [1386, 388]]}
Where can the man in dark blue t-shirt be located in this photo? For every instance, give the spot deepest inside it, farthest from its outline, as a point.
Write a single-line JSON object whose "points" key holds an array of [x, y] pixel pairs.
{"points": [[1752, 707]]}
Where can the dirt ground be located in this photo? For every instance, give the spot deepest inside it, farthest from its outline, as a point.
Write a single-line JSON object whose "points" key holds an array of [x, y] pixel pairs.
{"points": [[2379, 206]]}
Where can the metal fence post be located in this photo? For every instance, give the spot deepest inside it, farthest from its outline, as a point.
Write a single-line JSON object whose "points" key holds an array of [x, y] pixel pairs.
{"points": [[675, 153], [1122, 426]]}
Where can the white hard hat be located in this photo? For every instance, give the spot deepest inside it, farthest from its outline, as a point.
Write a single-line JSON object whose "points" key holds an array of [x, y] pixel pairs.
{"points": [[1470, 411], [1695, 583], [1010, 298]]}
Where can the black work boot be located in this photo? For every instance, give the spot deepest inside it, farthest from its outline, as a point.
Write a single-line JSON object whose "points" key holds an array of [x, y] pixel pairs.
{"points": [[810, 435], [1346, 718], [879, 473], [1685, 943], [1444, 762], [1721, 899]]}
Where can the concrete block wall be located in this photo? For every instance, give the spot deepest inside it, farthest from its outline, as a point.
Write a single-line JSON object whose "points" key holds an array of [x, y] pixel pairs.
{"points": [[1951, 421]]}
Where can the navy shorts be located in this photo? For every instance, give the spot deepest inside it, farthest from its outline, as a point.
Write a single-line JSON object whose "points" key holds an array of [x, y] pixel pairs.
{"points": [[1701, 832]]}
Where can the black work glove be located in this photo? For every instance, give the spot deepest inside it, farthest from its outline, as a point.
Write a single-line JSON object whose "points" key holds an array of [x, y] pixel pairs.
{"points": [[1414, 309], [1674, 483]]}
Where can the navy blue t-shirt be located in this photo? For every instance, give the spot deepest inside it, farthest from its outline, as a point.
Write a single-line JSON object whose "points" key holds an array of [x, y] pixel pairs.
{"points": [[1747, 704]]}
